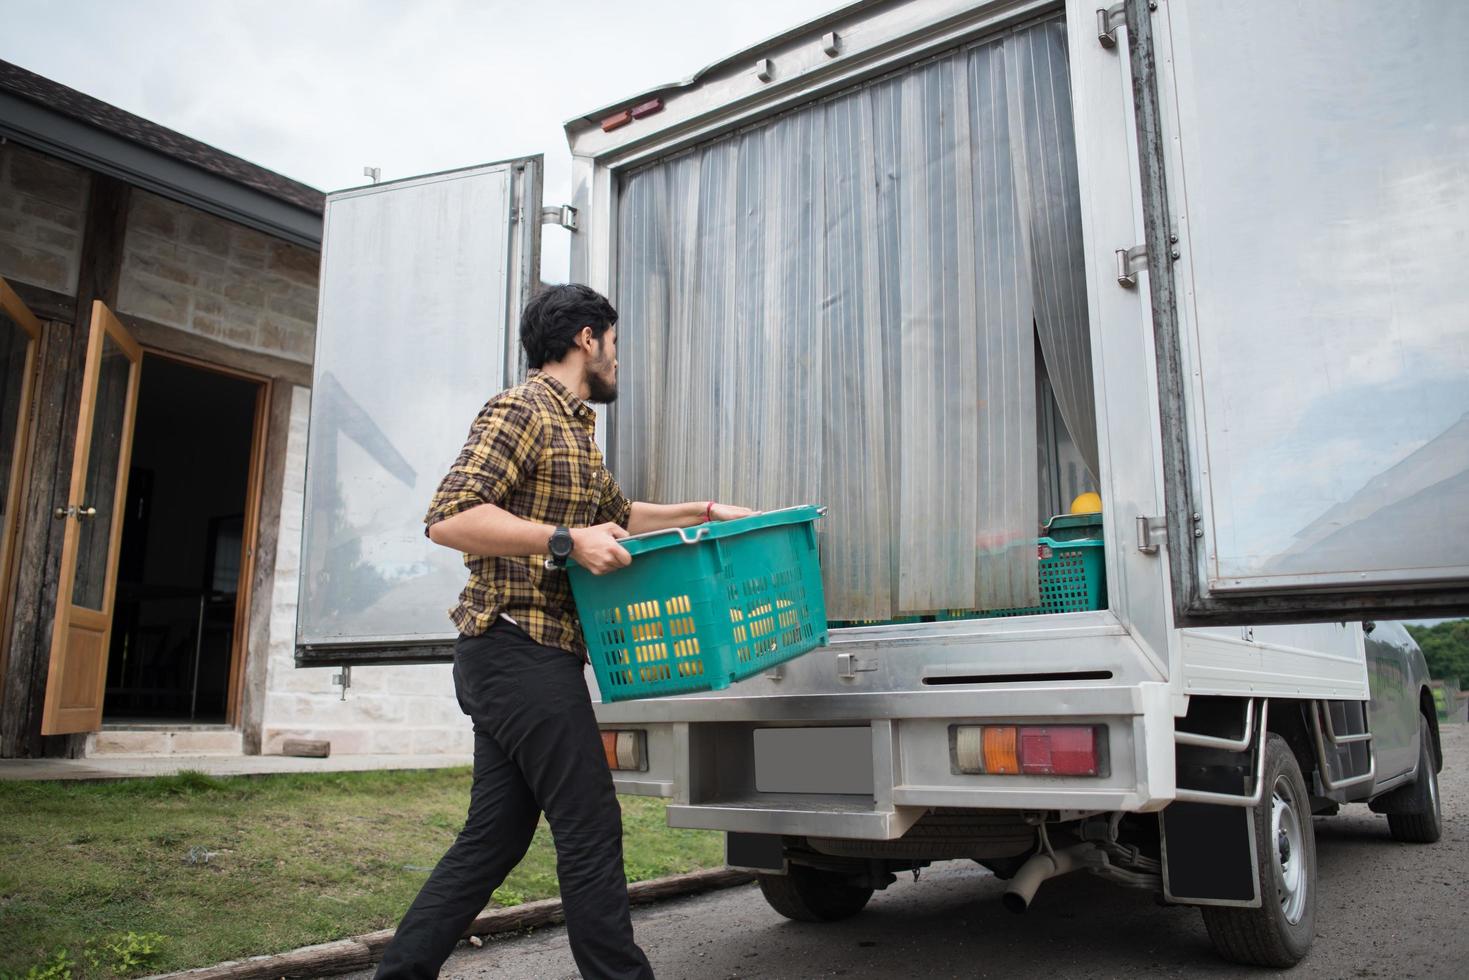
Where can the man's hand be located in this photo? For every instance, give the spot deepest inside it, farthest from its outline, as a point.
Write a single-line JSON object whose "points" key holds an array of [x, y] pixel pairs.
{"points": [[728, 512], [596, 548]]}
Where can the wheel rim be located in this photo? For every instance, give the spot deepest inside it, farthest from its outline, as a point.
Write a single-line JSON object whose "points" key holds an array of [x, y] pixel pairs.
{"points": [[1288, 843]]}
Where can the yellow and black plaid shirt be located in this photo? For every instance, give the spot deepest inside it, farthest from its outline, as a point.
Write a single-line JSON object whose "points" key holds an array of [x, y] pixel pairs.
{"points": [[530, 451]]}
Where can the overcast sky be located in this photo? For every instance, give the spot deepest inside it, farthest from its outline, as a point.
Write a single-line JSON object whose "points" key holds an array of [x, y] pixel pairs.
{"points": [[318, 89]]}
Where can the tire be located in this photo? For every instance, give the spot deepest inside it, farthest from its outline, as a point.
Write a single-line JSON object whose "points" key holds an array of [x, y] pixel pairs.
{"points": [[1421, 819], [1279, 932], [812, 895]]}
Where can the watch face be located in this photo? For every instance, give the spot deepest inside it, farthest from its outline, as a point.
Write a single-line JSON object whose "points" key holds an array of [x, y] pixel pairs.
{"points": [[561, 543]]}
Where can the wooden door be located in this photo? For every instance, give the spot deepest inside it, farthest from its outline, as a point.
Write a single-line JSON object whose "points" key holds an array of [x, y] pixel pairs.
{"points": [[20, 333], [78, 673]]}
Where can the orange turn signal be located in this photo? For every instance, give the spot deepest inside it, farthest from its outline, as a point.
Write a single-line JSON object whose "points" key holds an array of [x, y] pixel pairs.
{"points": [[623, 750], [1000, 750]]}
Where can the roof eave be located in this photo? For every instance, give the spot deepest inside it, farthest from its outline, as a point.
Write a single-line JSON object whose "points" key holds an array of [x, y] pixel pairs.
{"points": [[34, 125]]}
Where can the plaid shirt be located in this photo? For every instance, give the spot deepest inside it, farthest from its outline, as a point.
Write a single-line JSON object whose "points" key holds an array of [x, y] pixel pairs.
{"points": [[530, 451]]}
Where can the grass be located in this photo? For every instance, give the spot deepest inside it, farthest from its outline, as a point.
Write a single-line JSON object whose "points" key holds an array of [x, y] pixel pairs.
{"points": [[199, 869]]}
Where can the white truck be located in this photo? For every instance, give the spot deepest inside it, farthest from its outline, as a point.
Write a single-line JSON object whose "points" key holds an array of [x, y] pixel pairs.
{"points": [[941, 266]]}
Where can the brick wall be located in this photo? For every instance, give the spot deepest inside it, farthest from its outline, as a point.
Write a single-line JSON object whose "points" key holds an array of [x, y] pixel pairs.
{"points": [[43, 203], [193, 271], [389, 710]]}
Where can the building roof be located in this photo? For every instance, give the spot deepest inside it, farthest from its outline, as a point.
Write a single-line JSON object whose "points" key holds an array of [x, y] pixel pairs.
{"points": [[55, 119]]}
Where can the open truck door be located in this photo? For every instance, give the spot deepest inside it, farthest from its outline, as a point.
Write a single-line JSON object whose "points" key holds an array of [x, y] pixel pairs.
{"points": [[422, 284], [1305, 203]]}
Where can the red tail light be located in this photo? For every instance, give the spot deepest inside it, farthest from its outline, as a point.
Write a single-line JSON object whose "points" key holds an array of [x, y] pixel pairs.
{"points": [[1058, 751]]}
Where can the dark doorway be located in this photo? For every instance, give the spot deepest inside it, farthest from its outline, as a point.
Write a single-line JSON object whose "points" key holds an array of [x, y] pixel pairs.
{"points": [[179, 570]]}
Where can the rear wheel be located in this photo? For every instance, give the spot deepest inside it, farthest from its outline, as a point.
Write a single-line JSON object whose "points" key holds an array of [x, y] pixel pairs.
{"points": [[814, 895], [1421, 819], [1279, 932]]}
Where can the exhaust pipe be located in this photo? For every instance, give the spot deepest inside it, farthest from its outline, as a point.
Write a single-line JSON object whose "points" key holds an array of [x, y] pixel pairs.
{"points": [[1022, 888]]}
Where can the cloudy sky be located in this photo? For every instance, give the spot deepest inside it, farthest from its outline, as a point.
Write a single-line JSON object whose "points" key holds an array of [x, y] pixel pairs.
{"points": [[318, 89]]}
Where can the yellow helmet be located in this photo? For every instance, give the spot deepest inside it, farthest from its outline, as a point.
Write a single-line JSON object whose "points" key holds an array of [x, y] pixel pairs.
{"points": [[1087, 503]]}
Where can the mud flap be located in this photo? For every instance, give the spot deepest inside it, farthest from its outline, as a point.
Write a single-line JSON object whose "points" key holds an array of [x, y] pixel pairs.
{"points": [[755, 852], [1209, 855]]}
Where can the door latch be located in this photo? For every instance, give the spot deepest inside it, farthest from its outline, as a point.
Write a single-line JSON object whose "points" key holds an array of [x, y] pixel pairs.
{"points": [[344, 679], [849, 665], [72, 510]]}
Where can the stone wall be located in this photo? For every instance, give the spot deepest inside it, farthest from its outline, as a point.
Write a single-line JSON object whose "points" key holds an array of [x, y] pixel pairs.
{"points": [[389, 710], [192, 271], [43, 204]]}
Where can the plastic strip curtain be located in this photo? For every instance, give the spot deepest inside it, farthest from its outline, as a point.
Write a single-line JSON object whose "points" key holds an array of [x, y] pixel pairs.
{"points": [[1047, 165], [837, 306]]}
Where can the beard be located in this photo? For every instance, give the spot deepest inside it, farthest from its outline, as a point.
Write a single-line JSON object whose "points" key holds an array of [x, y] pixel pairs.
{"points": [[601, 391]]}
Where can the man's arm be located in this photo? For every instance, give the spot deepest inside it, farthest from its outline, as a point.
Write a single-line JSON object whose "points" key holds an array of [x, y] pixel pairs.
{"points": [[495, 532], [658, 517], [466, 515]]}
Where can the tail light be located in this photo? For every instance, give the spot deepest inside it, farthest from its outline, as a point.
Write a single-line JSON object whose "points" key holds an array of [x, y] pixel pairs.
{"points": [[1030, 750], [625, 750]]}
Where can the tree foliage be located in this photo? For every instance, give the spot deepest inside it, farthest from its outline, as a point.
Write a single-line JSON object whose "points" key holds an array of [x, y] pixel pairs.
{"points": [[1446, 648]]}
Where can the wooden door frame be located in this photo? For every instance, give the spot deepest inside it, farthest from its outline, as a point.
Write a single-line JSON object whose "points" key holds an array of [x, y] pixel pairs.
{"points": [[250, 537], [10, 534]]}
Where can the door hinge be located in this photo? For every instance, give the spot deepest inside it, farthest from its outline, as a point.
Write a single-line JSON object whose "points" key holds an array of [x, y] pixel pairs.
{"points": [[562, 214], [1151, 532], [849, 665], [1130, 260], [1112, 18], [1107, 23]]}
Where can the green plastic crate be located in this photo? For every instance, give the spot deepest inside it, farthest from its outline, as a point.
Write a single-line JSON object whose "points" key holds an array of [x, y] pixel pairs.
{"points": [[1073, 527], [1073, 578], [700, 608]]}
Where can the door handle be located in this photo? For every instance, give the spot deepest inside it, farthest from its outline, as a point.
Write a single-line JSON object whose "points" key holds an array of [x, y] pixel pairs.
{"points": [[86, 513], [72, 510]]}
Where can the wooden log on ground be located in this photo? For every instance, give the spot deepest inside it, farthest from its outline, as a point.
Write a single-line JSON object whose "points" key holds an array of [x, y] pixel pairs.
{"points": [[307, 748], [686, 884], [342, 956], [347, 955]]}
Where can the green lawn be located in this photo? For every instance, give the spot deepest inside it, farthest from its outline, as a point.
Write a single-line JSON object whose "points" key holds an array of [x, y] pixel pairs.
{"points": [[225, 868]]}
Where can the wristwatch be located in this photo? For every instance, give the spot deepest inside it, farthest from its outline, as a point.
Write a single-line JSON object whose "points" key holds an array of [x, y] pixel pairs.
{"points": [[561, 547]]}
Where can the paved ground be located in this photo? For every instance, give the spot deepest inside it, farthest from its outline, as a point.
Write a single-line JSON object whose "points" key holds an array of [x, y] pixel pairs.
{"points": [[1387, 910], [127, 767]]}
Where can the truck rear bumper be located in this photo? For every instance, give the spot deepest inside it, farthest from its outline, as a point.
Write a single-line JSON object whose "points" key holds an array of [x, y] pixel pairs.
{"points": [[892, 762]]}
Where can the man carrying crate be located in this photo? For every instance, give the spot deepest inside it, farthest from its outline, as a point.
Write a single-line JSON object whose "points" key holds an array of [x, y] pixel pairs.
{"points": [[530, 482]]}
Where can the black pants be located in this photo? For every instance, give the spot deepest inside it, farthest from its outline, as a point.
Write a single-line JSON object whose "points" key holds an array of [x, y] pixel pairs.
{"points": [[536, 748]]}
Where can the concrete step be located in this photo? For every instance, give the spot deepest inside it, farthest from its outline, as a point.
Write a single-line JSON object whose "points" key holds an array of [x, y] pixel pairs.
{"points": [[167, 741]]}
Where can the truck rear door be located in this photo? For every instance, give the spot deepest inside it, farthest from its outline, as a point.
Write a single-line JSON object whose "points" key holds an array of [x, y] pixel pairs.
{"points": [[422, 284], [1306, 201]]}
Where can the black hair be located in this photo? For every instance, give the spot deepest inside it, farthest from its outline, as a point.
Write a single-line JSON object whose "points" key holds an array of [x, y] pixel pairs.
{"points": [[554, 317]]}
